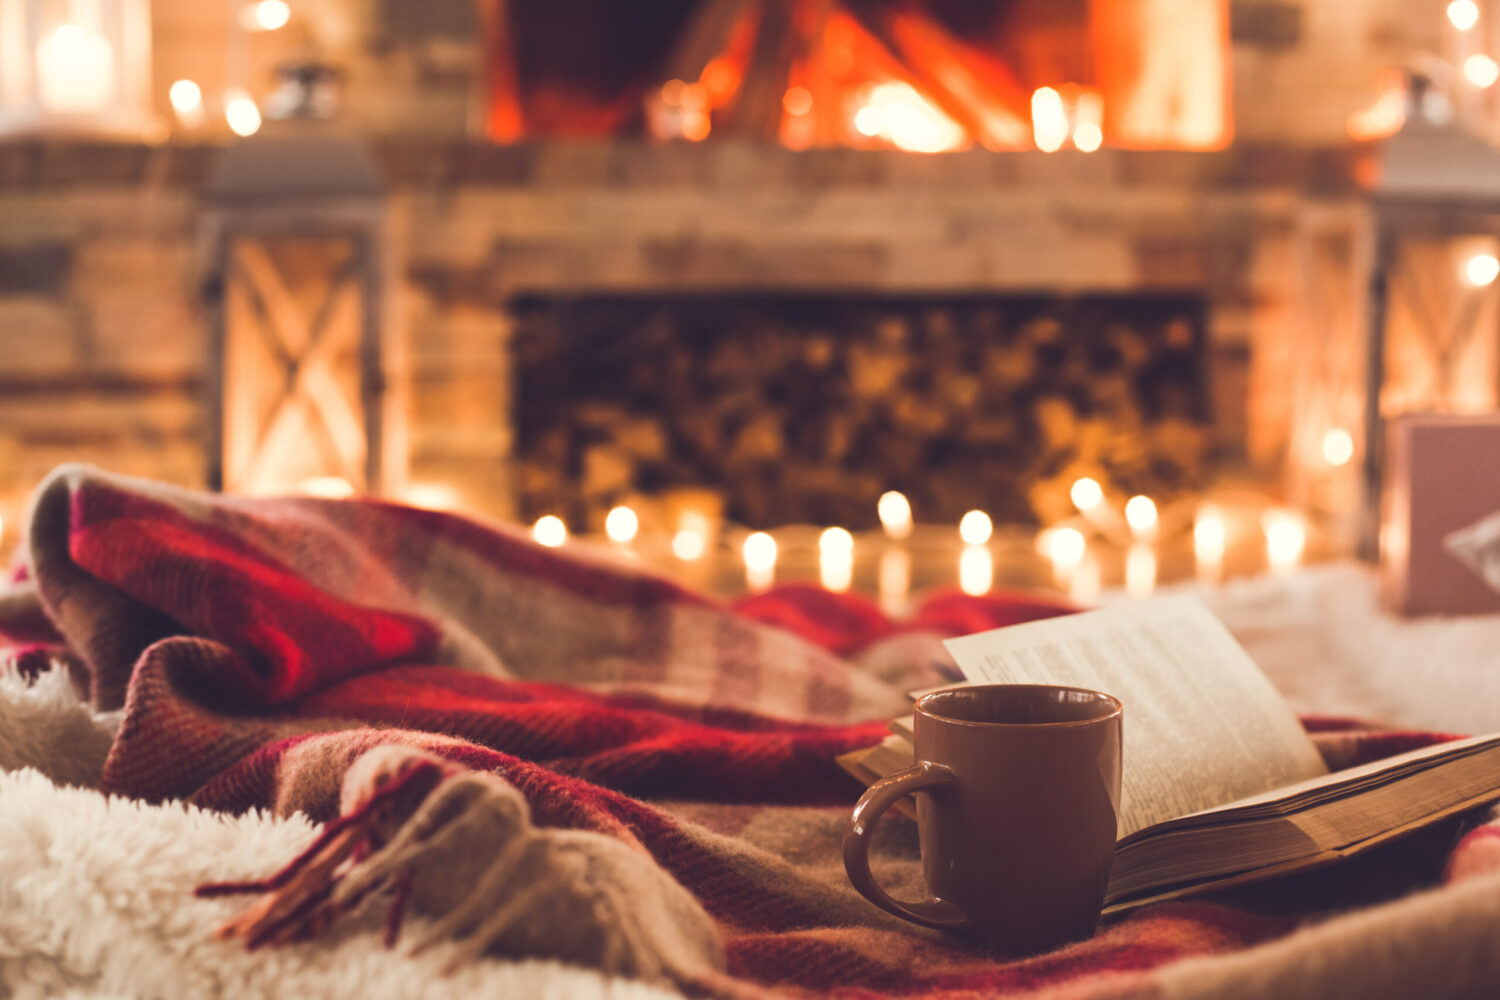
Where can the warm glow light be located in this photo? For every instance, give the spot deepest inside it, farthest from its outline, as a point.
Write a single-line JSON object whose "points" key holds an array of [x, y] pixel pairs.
{"points": [[187, 101], [550, 530], [621, 524], [1088, 137], [1088, 121], [975, 527], [75, 71], [1049, 123], [835, 570], [431, 496], [1338, 447], [1481, 70], [976, 570], [836, 540], [894, 511], [1066, 548], [240, 112], [759, 552], [1482, 269], [689, 545], [1387, 114], [897, 113], [267, 15], [895, 579], [1463, 14], [1086, 494], [836, 559], [797, 100], [1285, 539], [1208, 541], [1140, 514], [1140, 570], [328, 487]]}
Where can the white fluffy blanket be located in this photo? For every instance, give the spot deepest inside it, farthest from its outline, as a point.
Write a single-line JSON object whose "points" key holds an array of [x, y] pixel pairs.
{"points": [[96, 893]]}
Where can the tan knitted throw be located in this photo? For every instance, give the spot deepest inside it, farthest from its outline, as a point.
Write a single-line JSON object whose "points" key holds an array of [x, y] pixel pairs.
{"points": [[459, 846]]}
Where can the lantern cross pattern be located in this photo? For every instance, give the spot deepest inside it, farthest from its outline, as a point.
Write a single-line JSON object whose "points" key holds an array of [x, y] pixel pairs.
{"points": [[311, 395]]}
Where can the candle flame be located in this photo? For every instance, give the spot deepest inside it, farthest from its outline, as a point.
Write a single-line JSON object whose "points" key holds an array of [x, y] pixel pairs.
{"points": [[621, 524], [550, 530], [759, 552], [1338, 447], [836, 541], [1140, 514], [894, 511], [975, 528], [1086, 494], [1049, 123], [1463, 14], [976, 570], [1286, 537]]}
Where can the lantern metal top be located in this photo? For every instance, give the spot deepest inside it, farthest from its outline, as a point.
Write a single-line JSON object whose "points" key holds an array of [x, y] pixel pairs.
{"points": [[294, 160], [1437, 159]]}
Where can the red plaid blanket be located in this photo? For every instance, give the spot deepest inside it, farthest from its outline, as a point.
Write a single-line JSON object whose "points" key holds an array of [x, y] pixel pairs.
{"points": [[258, 647]]}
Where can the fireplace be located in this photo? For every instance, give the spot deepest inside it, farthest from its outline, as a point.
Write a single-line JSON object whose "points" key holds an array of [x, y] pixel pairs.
{"points": [[918, 75]]}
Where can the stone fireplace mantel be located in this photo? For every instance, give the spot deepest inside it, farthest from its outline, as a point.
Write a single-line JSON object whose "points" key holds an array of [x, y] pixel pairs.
{"points": [[98, 252]]}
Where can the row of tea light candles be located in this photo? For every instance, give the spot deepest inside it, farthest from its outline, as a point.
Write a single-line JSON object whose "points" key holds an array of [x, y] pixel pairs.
{"points": [[1065, 545]]}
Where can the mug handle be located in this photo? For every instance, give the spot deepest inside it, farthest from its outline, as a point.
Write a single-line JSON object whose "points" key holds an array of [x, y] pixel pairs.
{"points": [[872, 805]]}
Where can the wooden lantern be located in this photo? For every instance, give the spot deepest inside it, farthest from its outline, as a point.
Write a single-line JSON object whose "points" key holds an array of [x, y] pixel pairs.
{"points": [[1434, 301], [303, 373]]}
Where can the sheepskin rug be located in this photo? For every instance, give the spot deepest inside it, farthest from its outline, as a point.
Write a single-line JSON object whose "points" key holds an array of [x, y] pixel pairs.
{"points": [[96, 893]]}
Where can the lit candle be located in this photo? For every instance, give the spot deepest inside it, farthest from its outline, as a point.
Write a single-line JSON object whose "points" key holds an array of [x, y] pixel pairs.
{"points": [[1140, 514], [621, 524], [1066, 548], [895, 514], [895, 580], [241, 112], [975, 527], [431, 496], [976, 570], [836, 559], [1049, 122], [1140, 570], [550, 530], [1086, 493], [759, 551], [327, 487], [1208, 542], [1286, 537], [187, 101], [688, 545], [691, 538], [75, 71], [1338, 447]]}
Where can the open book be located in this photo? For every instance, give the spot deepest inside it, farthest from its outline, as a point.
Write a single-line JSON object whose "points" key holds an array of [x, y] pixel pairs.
{"points": [[1221, 784]]}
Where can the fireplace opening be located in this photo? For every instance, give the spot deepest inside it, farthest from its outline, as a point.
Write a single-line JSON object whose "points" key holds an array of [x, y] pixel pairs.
{"points": [[785, 408], [918, 75]]}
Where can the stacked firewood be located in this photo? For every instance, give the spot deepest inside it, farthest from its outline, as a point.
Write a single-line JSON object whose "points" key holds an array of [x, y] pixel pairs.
{"points": [[804, 410]]}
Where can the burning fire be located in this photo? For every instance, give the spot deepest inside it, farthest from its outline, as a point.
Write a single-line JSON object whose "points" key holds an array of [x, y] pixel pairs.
{"points": [[895, 112]]}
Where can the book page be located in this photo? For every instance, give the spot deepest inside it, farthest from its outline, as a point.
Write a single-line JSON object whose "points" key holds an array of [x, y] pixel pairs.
{"points": [[1202, 726]]}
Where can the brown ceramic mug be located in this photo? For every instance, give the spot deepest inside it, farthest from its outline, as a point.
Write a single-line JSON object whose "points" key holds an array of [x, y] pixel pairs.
{"points": [[1021, 784]]}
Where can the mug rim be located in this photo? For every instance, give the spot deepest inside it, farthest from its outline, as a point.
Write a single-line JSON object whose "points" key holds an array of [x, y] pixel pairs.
{"points": [[1117, 707]]}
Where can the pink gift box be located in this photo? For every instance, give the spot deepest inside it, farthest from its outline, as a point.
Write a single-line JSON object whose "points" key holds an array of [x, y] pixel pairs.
{"points": [[1442, 473]]}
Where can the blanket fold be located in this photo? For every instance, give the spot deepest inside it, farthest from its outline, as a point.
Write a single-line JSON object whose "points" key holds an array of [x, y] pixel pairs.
{"points": [[291, 653]]}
